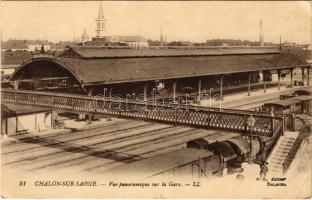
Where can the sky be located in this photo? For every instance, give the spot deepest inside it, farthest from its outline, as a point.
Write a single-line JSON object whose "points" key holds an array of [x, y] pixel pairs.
{"points": [[188, 20]]}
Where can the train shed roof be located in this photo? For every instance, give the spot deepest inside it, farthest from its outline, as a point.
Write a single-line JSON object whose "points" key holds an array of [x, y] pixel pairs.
{"points": [[111, 70], [142, 69]]}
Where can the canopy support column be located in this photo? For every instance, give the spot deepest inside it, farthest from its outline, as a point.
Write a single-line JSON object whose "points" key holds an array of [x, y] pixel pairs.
{"points": [[264, 81], [199, 90], [145, 92], [308, 73], [291, 77], [110, 91], [174, 88], [221, 87], [89, 94], [279, 79], [302, 72]]}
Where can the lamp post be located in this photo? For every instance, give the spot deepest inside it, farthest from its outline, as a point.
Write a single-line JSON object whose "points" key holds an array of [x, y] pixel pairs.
{"points": [[250, 123], [105, 89], [220, 103], [154, 95], [205, 95], [210, 97], [187, 96], [127, 96]]}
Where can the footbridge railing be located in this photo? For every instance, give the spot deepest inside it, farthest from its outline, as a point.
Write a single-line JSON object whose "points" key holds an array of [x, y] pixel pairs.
{"points": [[210, 118]]}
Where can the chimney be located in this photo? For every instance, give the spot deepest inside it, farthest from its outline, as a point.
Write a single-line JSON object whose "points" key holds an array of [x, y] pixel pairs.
{"points": [[261, 35], [161, 36]]}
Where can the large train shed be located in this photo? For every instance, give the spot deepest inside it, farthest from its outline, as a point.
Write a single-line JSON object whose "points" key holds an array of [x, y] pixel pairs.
{"points": [[92, 70]]}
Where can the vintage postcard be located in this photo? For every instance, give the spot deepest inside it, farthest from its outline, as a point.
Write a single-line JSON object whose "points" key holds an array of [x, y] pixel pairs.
{"points": [[156, 99]]}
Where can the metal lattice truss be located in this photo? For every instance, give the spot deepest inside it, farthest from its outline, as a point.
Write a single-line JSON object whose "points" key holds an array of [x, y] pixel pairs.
{"points": [[233, 120]]}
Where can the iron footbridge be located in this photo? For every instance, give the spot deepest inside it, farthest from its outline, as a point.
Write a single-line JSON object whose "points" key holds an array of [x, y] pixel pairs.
{"points": [[196, 116]]}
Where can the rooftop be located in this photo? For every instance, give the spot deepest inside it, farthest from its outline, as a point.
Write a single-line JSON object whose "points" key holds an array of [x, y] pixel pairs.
{"points": [[284, 102], [306, 91], [159, 163], [131, 38], [14, 44], [14, 57]]}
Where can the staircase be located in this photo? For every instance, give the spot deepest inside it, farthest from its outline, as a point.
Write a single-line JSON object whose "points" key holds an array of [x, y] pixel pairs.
{"points": [[281, 152]]}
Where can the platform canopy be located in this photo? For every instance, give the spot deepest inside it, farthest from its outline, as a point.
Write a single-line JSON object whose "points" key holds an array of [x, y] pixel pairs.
{"points": [[114, 68], [11, 110]]}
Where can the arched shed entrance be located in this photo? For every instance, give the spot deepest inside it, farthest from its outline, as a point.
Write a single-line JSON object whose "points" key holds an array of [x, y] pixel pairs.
{"points": [[46, 74]]}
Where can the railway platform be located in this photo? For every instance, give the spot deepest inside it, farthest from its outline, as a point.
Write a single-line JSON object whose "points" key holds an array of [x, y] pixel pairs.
{"points": [[242, 101]]}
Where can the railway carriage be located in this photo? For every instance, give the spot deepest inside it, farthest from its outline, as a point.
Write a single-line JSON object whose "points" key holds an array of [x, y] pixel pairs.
{"points": [[297, 108], [284, 106], [299, 102]]}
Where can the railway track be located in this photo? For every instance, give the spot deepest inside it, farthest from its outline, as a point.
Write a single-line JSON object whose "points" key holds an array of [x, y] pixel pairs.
{"points": [[98, 148], [110, 157], [52, 143]]}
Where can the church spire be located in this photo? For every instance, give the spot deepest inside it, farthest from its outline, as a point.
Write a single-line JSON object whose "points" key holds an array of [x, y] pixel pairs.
{"points": [[100, 23], [101, 14]]}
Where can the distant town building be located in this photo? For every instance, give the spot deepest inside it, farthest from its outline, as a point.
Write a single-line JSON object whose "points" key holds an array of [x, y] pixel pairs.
{"points": [[26, 45], [62, 45], [133, 40], [14, 45], [35, 45]]}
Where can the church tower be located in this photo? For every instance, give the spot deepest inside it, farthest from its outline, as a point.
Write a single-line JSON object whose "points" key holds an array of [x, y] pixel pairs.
{"points": [[100, 23]]}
